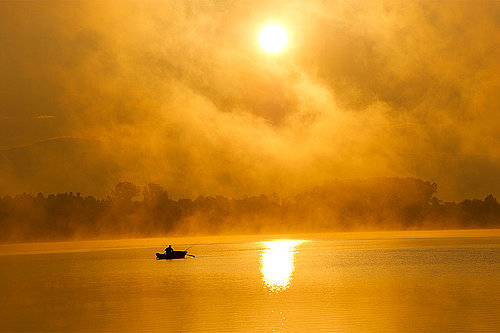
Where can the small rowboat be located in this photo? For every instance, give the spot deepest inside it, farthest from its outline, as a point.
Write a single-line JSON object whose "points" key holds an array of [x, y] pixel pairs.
{"points": [[171, 255]]}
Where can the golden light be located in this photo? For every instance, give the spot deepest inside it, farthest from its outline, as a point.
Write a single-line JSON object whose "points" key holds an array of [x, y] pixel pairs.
{"points": [[278, 264], [273, 38]]}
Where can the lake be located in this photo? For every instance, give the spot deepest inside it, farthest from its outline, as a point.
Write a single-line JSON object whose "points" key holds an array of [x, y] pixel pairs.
{"points": [[413, 281]]}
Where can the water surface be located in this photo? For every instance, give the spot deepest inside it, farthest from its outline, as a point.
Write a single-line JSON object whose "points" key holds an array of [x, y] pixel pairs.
{"points": [[378, 282]]}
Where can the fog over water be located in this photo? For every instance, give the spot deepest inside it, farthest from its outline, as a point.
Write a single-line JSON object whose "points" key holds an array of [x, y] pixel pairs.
{"points": [[136, 119], [181, 94]]}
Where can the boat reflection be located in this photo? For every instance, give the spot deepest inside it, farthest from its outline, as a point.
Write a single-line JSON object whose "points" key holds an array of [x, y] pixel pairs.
{"points": [[278, 263]]}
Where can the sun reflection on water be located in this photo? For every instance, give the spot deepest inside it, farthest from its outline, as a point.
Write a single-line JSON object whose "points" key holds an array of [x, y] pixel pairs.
{"points": [[278, 263]]}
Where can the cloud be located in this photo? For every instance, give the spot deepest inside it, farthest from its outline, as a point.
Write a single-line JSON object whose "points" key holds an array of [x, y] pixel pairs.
{"points": [[44, 116], [182, 94]]}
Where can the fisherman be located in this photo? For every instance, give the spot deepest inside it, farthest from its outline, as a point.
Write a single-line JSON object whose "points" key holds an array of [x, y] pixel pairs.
{"points": [[169, 249]]}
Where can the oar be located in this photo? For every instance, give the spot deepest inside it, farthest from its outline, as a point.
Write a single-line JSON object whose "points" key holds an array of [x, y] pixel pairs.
{"points": [[190, 255]]}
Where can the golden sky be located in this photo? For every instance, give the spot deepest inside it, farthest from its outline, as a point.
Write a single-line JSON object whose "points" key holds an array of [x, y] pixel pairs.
{"points": [[180, 93]]}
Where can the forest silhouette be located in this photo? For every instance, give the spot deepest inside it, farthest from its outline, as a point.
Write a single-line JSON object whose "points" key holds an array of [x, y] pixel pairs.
{"points": [[341, 205]]}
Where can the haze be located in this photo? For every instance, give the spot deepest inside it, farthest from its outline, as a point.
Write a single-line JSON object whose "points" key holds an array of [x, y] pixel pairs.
{"points": [[180, 93]]}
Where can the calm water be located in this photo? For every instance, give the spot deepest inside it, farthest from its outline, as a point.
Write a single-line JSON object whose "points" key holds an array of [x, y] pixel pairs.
{"points": [[402, 282]]}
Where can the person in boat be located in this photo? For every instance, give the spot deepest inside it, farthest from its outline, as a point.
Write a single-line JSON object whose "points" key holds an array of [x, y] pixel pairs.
{"points": [[169, 250]]}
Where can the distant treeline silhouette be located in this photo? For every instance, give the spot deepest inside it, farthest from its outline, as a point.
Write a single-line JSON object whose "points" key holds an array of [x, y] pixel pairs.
{"points": [[342, 205]]}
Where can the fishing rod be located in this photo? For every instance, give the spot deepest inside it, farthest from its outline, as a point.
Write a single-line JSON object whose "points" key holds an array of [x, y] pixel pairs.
{"points": [[191, 246]]}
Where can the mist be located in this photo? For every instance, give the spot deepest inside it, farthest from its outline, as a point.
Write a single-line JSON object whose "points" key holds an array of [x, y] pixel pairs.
{"points": [[129, 211], [180, 94]]}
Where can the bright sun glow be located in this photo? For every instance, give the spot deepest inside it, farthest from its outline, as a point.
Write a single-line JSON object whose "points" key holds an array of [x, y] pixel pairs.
{"points": [[273, 38], [278, 263]]}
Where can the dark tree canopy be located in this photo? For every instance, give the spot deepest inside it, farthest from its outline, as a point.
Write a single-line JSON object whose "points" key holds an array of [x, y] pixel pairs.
{"points": [[125, 191], [369, 204]]}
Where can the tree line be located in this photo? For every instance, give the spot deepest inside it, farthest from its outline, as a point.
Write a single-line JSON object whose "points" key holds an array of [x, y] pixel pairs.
{"points": [[341, 205]]}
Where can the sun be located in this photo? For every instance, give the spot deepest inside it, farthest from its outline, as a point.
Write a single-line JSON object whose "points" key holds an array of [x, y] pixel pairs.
{"points": [[273, 38]]}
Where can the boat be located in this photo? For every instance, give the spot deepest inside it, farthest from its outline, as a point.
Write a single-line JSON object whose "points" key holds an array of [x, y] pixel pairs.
{"points": [[171, 255]]}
